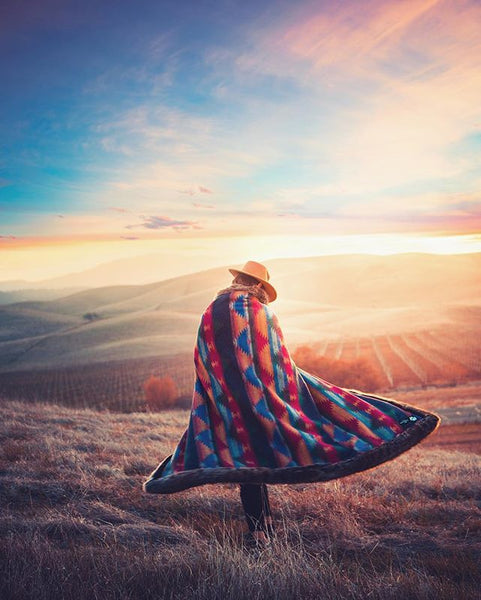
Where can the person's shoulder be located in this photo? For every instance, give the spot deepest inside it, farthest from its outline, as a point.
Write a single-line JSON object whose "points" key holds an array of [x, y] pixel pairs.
{"points": [[224, 292], [250, 292]]}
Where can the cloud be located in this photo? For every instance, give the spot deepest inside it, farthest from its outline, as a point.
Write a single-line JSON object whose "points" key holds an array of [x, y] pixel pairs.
{"points": [[324, 108], [8, 237], [119, 210], [156, 222], [112, 144], [393, 87], [353, 35], [173, 148], [155, 128], [129, 237], [200, 205], [322, 44], [420, 208], [192, 192]]}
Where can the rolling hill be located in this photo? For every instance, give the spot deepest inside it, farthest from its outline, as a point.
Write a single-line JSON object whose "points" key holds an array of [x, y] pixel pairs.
{"points": [[328, 298], [29, 294]]}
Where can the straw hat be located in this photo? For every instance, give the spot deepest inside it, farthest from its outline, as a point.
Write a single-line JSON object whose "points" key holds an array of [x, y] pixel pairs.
{"points": [[259, 272]]}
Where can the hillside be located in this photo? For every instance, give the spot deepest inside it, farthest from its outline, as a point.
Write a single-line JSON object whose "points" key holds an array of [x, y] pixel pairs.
{"points": [[322, 299], [136, 270], [29, 295]]}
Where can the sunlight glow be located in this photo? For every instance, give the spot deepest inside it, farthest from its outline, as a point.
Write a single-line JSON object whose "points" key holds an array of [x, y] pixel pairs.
{"points": [[178, 256]]}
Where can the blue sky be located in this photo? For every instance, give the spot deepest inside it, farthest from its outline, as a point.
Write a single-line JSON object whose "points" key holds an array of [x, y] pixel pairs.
{"points": [[134, 120]]}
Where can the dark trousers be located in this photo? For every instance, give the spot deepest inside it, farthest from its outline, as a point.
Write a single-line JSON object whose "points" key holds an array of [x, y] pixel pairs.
{"points": [[255, 502]]}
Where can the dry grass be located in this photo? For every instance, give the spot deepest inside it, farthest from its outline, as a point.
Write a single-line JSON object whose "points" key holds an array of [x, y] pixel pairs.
{"points": [[464, 436], [75, 523]]}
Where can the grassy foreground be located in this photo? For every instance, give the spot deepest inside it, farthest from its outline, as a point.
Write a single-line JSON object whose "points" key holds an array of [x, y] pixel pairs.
{"points": [[76, 524]]}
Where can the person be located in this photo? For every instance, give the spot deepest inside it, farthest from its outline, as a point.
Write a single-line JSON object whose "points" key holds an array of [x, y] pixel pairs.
{"points": [[255, 497], [258, 419]]}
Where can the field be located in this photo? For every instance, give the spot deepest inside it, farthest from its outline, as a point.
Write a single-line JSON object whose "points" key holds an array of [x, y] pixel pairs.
{"points": [[401, 363], [465, 437], [75, 523], [416, 358], [115, 385], [76, 443]]}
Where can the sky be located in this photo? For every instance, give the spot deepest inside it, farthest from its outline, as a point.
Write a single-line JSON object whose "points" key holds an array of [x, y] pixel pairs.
{"points": [[287, 127]]}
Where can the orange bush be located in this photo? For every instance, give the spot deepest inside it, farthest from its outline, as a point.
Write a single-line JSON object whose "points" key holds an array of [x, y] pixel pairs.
{"points": [[160, 393], [358, 373]]}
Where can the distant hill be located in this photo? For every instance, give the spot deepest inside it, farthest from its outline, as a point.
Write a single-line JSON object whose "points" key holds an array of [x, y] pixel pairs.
{"points": [[136, 270], [25, 295], [15, 284], [320, 298]]}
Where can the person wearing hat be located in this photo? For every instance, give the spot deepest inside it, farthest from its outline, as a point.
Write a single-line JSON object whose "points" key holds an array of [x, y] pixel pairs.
{"points": [[254, 274], [257, 418], [255, 497]]}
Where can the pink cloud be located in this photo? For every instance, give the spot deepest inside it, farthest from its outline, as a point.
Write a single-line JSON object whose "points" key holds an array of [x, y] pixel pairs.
{"points": [[379, 40], [191, 192], [350, 32], [118, 209], [160, 222], [200, 205], [413, 65]]}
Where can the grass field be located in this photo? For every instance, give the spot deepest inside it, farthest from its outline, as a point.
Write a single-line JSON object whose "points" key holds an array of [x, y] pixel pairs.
{"points": [[465, 437], [76, 524]]}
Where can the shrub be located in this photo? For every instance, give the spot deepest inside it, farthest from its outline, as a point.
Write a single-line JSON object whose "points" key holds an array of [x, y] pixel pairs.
{"points": [[91, 316], [357, 373], [160, 393]]}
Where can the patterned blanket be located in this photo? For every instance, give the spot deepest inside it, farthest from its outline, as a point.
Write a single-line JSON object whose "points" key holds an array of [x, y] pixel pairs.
{"points": [[257, 417]]}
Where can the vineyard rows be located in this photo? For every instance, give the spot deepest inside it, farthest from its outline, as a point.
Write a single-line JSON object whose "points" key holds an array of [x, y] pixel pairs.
{"points": [[116, 385], [403, 360], [415, 358]]}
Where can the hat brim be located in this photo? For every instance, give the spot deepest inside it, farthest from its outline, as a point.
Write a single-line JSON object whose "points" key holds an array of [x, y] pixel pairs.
{"points": [[270, 289]]}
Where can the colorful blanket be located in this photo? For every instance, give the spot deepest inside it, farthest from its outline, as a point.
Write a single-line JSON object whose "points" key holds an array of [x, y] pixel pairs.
{"points": [[257, 417]]}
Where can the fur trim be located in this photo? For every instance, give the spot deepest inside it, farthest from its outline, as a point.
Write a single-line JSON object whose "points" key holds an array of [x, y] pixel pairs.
{"points": [[427, 422], [258, 292]]}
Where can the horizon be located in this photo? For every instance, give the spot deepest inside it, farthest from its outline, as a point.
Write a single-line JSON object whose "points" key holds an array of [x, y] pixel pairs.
{"points": [[353, 246]]}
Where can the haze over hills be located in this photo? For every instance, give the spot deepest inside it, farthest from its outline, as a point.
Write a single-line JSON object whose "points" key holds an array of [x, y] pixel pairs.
{"points": [[16, 284], [29, 294], [320, 298], [136, 270]]}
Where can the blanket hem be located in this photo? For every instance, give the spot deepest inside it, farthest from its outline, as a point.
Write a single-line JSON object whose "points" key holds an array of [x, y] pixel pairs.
{"points": [[411, 436]]}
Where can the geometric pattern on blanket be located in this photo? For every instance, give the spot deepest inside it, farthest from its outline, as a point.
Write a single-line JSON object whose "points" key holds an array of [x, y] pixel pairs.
{"points": [[256, 417]]}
